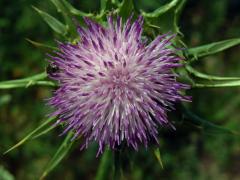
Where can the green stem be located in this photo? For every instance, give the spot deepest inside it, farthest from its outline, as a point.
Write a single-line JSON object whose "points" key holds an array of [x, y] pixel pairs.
{"points": [[216, 85], [26, 82], [117, 165], [208, 77], [104, 166]]}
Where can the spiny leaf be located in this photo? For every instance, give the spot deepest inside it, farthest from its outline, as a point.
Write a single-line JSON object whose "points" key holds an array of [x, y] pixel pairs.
{"points": [[161, 10], [212, 48], [58, 5], [166, 16], [55, 24], [75, 11], [40, 45], [36, 135], [209, 77], [39, 129], [158, 156], [206, 126], [59, 155]]}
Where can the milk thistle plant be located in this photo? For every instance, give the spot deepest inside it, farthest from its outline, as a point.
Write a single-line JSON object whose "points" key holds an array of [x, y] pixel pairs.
{"points": [[117, 74]]}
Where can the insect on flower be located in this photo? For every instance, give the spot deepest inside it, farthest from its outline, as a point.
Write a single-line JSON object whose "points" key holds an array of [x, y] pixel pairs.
{"points": [[113, 87]]}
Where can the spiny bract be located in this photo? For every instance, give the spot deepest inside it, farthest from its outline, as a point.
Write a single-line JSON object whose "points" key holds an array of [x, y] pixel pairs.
{"points": [[113, 86]]}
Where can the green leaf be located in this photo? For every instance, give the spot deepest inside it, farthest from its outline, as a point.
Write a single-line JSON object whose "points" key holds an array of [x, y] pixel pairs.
{"points": [[40, 45], [104, 5], [58, 5], [75, 11], [55, 24], [208, 49], [105, 165], [70, 26], [126, 8], [206, 126], [161, 10], [39, 129], [5, 174], [206, 76], [59, 155], [36, 135], [158, 156], [115, 2], [166, 16]]}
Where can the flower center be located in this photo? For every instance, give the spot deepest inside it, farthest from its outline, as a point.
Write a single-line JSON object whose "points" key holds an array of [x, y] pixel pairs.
{"points": [[119, 78]]}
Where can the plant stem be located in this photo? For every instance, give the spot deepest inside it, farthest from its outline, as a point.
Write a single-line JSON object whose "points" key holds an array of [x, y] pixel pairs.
{"points": [[26, 82]]}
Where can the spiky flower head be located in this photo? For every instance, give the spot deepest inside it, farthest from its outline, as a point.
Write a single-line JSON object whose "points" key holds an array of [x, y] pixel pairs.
{"points": [[113, 86]]}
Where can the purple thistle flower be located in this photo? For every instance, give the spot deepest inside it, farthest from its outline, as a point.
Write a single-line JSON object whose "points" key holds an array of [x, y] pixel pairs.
{"points": [[113, 87]]}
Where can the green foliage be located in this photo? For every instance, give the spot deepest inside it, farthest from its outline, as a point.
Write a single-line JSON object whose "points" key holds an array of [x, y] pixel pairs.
{"points": [[75, 11], [126, 8], [161, 10], [166, 17], [212, 48], [158, 156], [5, 175], [206, 125], [41, 128], [59, 155], [55, 24], [41, 45], [104, 166]]}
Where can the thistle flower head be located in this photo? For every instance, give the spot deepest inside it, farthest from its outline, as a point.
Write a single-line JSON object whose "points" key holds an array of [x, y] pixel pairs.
{"points": [[113, 87]]}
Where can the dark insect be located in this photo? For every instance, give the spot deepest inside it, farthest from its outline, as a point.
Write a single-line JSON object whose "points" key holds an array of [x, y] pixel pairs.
{"points": [[52, 69]]}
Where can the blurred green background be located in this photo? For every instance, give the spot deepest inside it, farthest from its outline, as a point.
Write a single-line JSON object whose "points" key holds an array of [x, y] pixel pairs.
{"points": [[188, 153]]}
